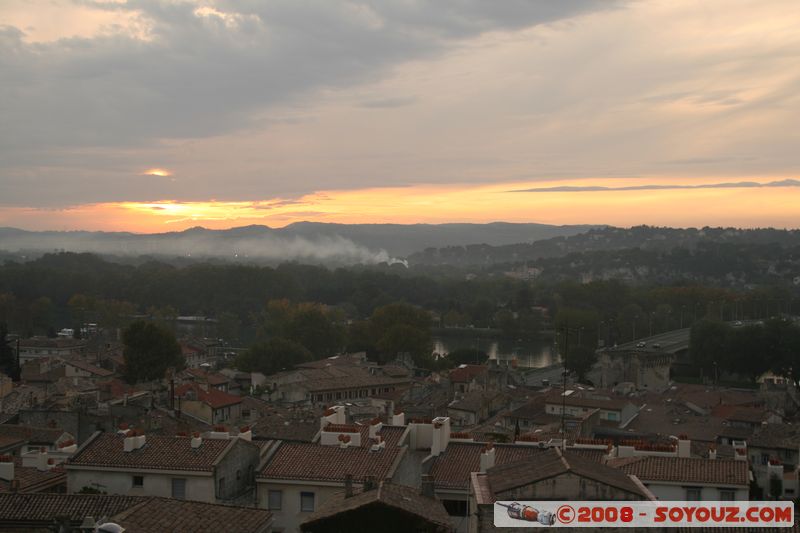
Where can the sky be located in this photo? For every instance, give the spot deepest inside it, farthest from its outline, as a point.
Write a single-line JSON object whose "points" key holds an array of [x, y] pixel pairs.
{"points": [[159, 115]]}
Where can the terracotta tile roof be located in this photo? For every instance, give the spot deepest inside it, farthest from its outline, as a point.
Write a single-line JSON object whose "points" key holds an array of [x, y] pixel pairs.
{"points": [[8, 442], [551, 463], [782, 436], [451, 469], [299, 460], [32, 479], [88, 367], [137, 514], [212, 397], [738, 413], [158, 453], [178, 516], [28, 508], [686, 470], [117, 388], [31, 434], [392, 495], [213, 378], [573, 400], [466, 373]]}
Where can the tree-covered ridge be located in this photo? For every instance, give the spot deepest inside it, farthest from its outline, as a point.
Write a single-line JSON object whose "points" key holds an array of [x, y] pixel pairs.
{"points": [[610, 240]]}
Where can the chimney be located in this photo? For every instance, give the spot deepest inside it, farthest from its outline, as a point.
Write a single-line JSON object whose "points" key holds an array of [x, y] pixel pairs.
{"points": [[141, 439], [712, 452], [197, 440], [43, 461], [398, 418], [428, 486], [684, 446], [487, 457], [68, 446], [375, 426], [246, 433], [740, 454], [6, 467], [344, 440], [441, 435], [219, 432], [370, 483], [348, 485], [129, 442]]}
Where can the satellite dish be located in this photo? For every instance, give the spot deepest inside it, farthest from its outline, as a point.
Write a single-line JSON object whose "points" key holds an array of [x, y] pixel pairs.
{"points": [[110, 527]]}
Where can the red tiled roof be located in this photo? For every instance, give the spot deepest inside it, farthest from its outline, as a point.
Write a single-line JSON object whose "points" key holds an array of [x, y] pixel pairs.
{"points": [[451, 469], [88, 367], [159, 453], [212, 378], [167, 514], [32, 479], [300, 460], [212, 397], [466, 373], [137, 514], [117, 388], [686, 470], [573, 400], [551, 463]]}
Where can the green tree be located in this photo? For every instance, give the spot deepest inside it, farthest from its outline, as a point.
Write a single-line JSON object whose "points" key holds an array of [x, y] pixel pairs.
{"points": [[274, 355], [467, 356], [401, 328], [149, 351], [8, 359], [708, 344], [580, 360]]}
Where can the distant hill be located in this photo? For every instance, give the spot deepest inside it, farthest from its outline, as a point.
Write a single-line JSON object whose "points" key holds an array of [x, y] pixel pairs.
{"points": [[605, 239], [303, 241]]}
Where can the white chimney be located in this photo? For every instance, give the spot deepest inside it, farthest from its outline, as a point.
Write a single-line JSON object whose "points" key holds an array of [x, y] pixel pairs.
{"points": [[344, 441], [684, 446], [197, 440], [740, 454], [374, 427], [398, 418], [487, 458], [7, 468], [42, 461], [141, 439], [379, 444], [129, 443], [246, 433], [441, 435], [712, 452]]}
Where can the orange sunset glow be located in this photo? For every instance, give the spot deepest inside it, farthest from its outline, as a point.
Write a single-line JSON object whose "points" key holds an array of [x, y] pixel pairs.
{"points": [[742, 207]]}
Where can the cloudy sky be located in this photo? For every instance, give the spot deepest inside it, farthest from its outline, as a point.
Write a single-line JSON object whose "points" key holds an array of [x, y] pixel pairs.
{"points": [[156, 115]]}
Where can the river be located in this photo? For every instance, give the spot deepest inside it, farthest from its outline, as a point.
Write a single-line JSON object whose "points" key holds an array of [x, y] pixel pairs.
{"points": [[529, 354]]}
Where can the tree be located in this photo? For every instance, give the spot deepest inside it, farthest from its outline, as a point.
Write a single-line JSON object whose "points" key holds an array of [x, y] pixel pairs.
{"points": [[274, 355], [8, 360], [149, 351], [402, 328], [467, 356], [708, 343], [580, 360]]}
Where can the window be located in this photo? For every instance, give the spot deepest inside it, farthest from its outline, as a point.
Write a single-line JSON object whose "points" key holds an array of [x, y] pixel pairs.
{"points": [[455, 507], [221, 485], [238, 475], [727, 495], [138, 481], [179, 488], [693, 494], [307, 502], [275, 500]]}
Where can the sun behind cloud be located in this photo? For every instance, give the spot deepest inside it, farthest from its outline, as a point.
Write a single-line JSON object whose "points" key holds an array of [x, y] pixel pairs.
{"points": [[163, 173]]}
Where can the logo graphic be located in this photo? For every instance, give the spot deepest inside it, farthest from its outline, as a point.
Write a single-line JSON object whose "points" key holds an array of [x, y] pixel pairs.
{"points": [[527, 513]]}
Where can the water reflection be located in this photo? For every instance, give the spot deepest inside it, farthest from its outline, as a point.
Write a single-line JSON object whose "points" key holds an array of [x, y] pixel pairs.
{"points": [[529, 354]]}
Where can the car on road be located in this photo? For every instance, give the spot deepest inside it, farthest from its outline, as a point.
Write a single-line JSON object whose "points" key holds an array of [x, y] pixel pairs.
{"points": [[656, 346], [641, 344]]}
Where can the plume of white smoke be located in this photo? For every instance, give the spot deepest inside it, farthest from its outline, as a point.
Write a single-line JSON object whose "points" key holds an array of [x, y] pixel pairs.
{"points": [[200, 244]]}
